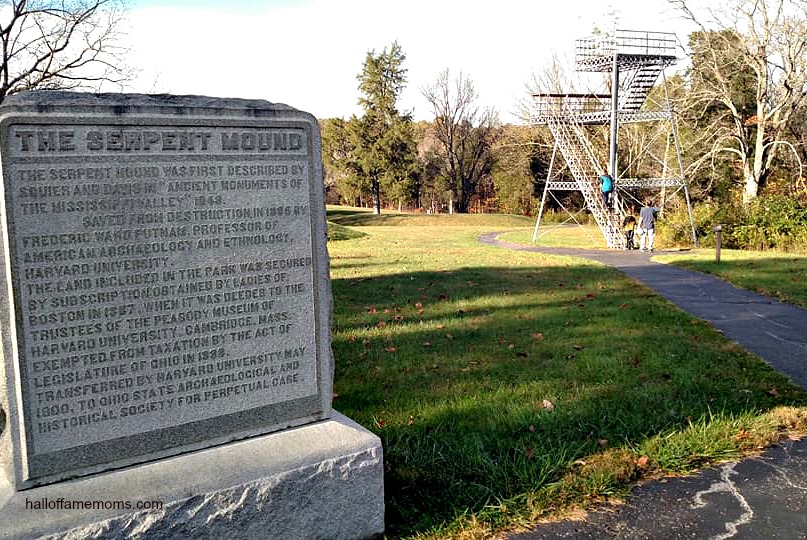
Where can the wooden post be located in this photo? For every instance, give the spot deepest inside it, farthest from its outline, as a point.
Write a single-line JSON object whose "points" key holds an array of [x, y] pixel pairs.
{"points": [[718, 230]]}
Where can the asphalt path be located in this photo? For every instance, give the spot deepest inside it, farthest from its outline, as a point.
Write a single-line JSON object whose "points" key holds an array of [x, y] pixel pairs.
{"points": [[759, 497]]}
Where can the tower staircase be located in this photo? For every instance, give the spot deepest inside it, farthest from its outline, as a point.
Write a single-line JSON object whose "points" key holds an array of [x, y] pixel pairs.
{"points": [[581, 159], [635, 60], [642, 81]]}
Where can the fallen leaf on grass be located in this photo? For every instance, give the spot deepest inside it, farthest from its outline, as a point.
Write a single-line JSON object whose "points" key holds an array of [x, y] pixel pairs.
{"points": [[522, 354], [532, 428], [577, 347], [418, 305], [548, 405], [379, 422], [591, 296], [742, 435], [390, 349], [642, 462], [773, 392], [410, 421], [538, 335], [603, 442], [449, 336], [529, 452], [381, 324], [351, 338], [465, 369], [511, 346], [623, 306], [440, 326], [398, 318], [427, 344]]}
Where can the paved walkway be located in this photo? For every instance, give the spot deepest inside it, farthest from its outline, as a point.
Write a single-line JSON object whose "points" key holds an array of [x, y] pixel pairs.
{"points": [[762, 497]]}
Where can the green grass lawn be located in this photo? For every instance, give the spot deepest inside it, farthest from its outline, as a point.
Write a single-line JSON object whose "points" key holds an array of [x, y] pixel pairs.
{"points": [[509, 386], [776, 274], [552, 235]]}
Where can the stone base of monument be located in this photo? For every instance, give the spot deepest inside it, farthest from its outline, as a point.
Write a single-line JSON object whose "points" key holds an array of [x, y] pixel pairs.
{"points": [[322, 480]]}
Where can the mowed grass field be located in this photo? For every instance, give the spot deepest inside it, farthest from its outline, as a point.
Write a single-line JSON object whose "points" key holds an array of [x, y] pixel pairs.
{"points": [[509, 387]]}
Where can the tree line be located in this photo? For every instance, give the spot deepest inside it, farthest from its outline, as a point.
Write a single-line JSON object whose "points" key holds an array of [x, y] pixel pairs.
{"points": [[740, 104], [464, 160], [740, 108]]}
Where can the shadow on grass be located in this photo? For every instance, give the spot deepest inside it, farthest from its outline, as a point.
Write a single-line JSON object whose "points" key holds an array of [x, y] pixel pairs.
{"points": [[488, 384], [352, 217], [338, 232]]}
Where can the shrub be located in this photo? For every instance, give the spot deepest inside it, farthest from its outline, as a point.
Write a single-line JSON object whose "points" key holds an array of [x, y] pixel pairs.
{"points": [[770, 222]]}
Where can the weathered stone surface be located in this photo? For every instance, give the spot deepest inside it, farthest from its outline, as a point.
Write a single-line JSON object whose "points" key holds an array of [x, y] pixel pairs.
{"points": [[167, 278], [321, 480]]}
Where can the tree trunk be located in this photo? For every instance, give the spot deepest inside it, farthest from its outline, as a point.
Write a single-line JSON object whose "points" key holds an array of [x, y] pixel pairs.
{"points": [[750, 183], [376, 197]]}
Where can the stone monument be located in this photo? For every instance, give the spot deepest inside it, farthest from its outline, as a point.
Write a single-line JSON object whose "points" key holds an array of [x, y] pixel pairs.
{"points": [[165, 324]]}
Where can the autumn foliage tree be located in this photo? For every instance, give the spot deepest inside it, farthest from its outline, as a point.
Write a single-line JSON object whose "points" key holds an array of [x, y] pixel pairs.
{"points": [[761, 44]]}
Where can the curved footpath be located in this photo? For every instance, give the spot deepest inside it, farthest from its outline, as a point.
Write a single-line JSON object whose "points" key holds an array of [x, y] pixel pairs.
{"points": [[760, 497]]}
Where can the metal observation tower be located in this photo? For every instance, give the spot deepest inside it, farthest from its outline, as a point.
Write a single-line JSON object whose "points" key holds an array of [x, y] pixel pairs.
{"points": [[635, 60]]}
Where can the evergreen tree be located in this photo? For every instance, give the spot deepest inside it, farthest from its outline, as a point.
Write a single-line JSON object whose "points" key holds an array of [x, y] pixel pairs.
{"points": [[383, 138]]}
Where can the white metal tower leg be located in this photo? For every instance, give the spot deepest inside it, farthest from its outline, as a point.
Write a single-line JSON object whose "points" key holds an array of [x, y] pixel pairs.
{"points": [[546, 189], [674, 129]]}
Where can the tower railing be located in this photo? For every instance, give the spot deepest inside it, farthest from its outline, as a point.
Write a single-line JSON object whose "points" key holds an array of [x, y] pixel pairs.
{"points": [[627, 43]]}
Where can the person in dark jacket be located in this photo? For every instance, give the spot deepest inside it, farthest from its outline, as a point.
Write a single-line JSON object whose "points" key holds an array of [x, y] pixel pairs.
{"points": [[629, 227]]}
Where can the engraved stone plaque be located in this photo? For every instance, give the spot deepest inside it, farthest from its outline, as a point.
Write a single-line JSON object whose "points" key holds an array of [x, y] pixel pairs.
{"points": [[166, 278]]}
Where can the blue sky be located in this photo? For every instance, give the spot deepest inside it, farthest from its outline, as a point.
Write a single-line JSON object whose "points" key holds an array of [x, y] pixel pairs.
{"points": [[307, 53]]}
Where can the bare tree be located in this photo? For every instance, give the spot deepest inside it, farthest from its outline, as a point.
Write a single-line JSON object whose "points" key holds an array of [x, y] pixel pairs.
{"points": [[464, 132], [767, 39], [60, 44]]}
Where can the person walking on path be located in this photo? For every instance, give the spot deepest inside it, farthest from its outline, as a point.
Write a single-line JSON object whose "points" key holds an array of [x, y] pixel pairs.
{"points": [[607, 187], [647, 226]]}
